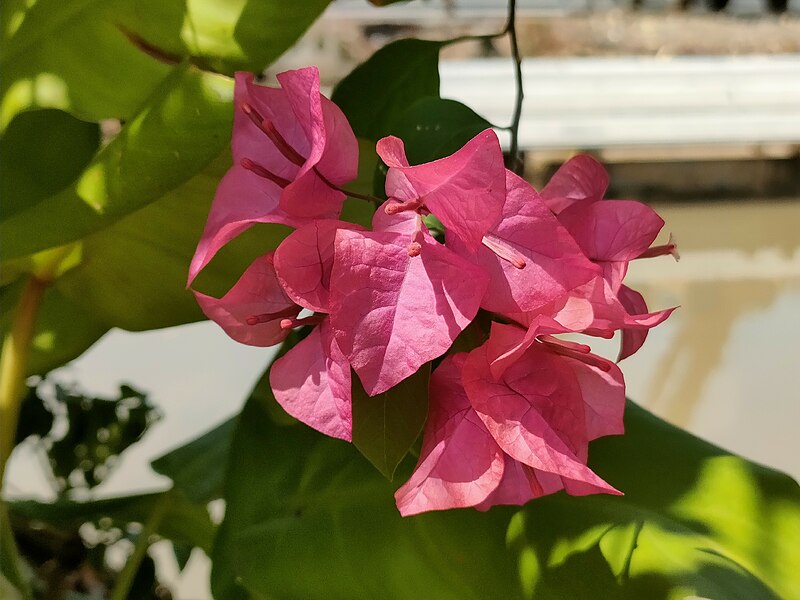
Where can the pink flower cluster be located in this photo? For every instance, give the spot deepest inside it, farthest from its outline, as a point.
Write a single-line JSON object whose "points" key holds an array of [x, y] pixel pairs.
{"points": [[512, 419]]}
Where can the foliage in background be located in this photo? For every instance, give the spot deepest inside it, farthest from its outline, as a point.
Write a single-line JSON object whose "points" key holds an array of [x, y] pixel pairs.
{"points": [[125, 208]]}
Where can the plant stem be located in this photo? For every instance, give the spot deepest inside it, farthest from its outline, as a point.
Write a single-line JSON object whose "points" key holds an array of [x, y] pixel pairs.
{"points": [[511, 28], [124, 582], [14, 364], [13, 370]]}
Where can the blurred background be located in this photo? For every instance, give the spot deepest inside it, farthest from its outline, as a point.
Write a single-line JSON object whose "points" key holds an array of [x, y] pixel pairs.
{"points": [[695, 109]]}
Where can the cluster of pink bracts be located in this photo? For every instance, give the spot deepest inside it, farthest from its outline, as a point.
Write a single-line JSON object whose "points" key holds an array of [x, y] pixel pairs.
{"points": [[512, 419]]}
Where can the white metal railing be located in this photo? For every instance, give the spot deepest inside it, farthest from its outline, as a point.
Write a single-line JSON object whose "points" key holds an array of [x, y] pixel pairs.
{"points": [[630, 101]]}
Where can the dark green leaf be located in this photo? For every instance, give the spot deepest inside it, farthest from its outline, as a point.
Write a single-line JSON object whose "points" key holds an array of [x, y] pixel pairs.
{"points": [[433, 128], [385, 426], [184, 522], [695, 520], [321, 523], [198, 468], [43, 151], [183, 125], [379, 90]]}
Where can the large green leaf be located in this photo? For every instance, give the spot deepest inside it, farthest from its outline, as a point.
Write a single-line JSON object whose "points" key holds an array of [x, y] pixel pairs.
{"points": [[102, 58], [386, 425], [433, 128], [70, 54], [183, 125], [376, 92], [133, 274], [223, 35], [183, 522], [321, 523], [43, 151]]}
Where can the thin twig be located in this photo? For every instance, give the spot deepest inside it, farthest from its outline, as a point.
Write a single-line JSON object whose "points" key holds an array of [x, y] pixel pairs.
{"points": [[511, 28]]}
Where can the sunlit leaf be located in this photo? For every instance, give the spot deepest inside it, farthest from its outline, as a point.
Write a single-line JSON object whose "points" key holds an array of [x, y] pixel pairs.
{"points": [[695, 520]]}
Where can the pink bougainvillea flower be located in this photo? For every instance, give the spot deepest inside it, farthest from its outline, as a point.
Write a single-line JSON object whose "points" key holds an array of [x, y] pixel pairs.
{"points": [[462, 464], [537, 413], [611, 233], [312, 383], [465, 191], [292, 149], [304, 260], [252, 310], [580, 179], [529, 236], [393, 310]]}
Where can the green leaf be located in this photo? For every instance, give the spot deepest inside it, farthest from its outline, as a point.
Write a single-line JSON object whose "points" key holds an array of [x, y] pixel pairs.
{"points": [[433, 128], [184, 522], [695, 520], [181, 128], [222, 35], [321, 523], [71, 55], [385, 426], [198, 468], [43, 151], [146, 256], [376, 92], [102, 58]]}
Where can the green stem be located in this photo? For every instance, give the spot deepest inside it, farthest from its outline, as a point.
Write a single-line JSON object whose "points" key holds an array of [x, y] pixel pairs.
{"points": [[14, 364], [122, 587], [13, 371]]}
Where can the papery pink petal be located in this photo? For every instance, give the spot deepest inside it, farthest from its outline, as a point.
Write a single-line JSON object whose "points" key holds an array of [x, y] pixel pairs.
{"points": [[312, 383], [393, 313], [603, 393], [392, 151], [403, 222], [581, 179], [521, 484], [609, 313], [460, 464], [465, 190], [241, 200], [304, 260], [612, 230], [536, 414], [301, 87], [554, 265], [257, 292], [632, 339], [249, 141], [309, 197]]}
